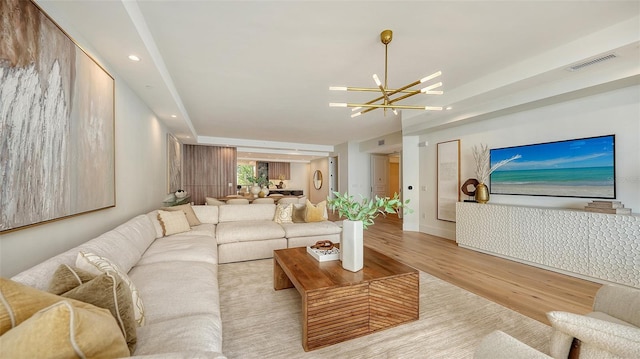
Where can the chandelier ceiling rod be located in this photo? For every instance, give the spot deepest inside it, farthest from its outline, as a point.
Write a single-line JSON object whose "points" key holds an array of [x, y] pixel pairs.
{"points": [[387, 102]]}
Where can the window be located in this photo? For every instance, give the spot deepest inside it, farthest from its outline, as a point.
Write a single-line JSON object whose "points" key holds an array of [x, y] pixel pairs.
{"points": [[244, 172]]}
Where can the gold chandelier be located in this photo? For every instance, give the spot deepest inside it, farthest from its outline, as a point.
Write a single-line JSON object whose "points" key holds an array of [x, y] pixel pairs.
{"points": [[387, 102]]}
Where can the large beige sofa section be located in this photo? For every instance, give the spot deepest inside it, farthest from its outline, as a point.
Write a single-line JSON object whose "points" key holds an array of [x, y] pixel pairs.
{"points": [[248, 232], [176, 278]]}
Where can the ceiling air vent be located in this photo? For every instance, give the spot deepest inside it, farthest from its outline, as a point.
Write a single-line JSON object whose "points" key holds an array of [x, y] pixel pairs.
{"points": [[584, 64], [380, 142]]}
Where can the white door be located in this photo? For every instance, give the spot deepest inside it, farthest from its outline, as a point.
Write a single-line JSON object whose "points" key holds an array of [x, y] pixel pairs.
{"points": [[333, 176], [379, 176]]}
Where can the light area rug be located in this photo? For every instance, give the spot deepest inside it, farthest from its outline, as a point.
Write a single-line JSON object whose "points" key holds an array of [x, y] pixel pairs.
{"points": [[259, 322]]}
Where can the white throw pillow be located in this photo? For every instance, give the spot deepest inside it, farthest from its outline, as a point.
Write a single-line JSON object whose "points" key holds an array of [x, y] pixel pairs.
{"points": [[97, 265], [173, 222], [284, 213]]}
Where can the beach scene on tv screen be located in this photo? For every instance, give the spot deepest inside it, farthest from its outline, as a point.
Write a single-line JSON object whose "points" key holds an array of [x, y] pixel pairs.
{"points": [[573, 168]]}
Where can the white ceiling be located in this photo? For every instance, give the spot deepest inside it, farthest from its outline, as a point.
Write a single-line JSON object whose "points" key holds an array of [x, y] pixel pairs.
{"points": [[255, 74]]}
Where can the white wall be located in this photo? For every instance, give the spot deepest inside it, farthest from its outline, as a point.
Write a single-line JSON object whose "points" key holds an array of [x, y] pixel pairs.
{"points": [[614, 112], [299, 176], [140, 141]]}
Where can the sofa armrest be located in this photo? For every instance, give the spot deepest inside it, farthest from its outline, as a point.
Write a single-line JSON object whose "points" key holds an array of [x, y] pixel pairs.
{"points": [[618, 339], [499, 345], [619, 302]]}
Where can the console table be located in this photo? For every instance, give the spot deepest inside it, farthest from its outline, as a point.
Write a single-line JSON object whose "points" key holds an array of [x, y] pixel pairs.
{"points": [[287, 192], [604, 247]]}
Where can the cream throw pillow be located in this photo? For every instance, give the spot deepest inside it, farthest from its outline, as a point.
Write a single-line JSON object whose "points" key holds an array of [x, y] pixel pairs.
{"points": [[315, 213], [188, 211], [64, 330], [173, 222], [95, 264], [283, 213]]}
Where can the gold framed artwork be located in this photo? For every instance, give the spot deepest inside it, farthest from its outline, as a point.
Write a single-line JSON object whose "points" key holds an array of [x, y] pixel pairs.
{"points": [[448, 179], [57, 126]]}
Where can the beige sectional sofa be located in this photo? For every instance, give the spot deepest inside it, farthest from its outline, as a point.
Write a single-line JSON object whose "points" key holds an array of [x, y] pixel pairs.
{"points": [[176, 276], [247, 232]]}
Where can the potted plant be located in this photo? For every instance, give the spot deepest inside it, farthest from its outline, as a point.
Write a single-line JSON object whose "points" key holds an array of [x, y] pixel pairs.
{"points": [[360, 215]]}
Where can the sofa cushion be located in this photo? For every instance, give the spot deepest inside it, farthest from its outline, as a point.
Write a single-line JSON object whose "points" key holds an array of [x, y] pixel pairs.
{"points": [[315, 213], [297, 215], [200, 335], [213, 202], [106, 291], [95, 264], [66, 278], [245, 231], [283, 213], [71, 332], [182, 247], [293, 230], [177, 289], [188, 211], [253, 212], [206, 214], [139, 232], [173, 222]]}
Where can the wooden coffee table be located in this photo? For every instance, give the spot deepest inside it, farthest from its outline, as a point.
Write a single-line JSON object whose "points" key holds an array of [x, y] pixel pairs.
{"points": [[339, 305]]}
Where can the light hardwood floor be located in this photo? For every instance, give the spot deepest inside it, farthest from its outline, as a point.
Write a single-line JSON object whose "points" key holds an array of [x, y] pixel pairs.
{"points": [[526, 289]]}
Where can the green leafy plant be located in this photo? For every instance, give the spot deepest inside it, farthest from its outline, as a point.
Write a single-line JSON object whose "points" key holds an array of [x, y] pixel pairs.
{"points": [[261, 180], [366, 210]]}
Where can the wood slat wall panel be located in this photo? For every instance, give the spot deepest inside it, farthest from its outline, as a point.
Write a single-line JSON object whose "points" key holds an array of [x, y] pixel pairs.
{"points": [[208, 170], [279, 168]]}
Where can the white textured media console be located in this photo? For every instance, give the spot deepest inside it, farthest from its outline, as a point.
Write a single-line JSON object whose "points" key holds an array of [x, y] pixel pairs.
{"points": [[605, 247]]}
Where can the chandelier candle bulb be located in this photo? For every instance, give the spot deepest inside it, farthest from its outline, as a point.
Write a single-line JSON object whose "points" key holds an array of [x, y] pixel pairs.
{"points": [[431, 87], [337, 104], [338, 88], [432, 76]]}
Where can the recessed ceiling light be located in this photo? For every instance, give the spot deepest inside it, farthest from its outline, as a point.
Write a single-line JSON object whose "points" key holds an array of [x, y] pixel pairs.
{"points": [[173, 116], [134, 58], [448, 108]]}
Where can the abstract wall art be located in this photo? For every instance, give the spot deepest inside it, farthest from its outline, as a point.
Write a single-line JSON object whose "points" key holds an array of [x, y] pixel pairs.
{"points": [[57, 154], [174, 164]]}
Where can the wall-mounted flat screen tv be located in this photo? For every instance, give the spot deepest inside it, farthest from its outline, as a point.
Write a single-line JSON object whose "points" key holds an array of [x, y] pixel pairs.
{"points": [[583, 167]]}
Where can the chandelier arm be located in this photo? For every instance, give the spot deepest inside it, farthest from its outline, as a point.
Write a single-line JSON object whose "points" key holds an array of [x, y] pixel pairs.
{"points": [[376, 89], [375, 106]]}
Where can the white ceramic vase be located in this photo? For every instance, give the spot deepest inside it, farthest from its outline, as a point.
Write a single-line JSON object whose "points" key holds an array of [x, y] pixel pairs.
{"points": [[255, 189], [351, 246]]}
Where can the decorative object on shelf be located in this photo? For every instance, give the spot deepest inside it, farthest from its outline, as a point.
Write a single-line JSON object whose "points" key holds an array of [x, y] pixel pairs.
{"points": [[281, 185], [181, 194], [611, 207], [359, 215], [471, 182], [387, 102], [482, 193], [484, 170], [264, 191]]}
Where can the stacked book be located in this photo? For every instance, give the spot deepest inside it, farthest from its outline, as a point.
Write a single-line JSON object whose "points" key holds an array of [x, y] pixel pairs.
{"points": [[613, 207]]}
